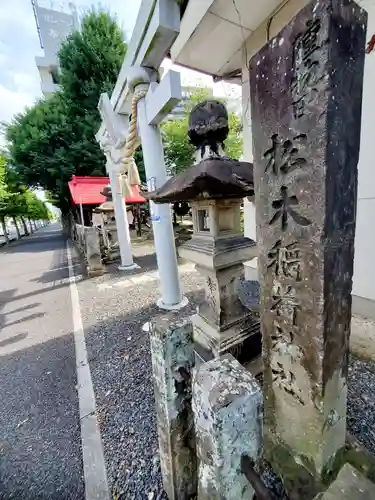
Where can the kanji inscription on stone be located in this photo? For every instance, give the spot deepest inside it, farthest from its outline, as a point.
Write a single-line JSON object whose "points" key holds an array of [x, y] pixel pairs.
{"points": [[285, 260], [306, 66], [306, 98], [283, 156], [283, 210]]}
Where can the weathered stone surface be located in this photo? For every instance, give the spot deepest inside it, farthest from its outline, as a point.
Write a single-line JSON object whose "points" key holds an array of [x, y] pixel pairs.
{"points": [[172, 361], [218, 249], [223, 323], [213, 178], [93, 255], [306, 135], [349, 485], [249, 294], [227, 404]]}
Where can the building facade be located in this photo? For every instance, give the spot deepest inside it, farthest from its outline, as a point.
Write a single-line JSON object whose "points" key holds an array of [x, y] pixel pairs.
{"points": [[53, 28]]}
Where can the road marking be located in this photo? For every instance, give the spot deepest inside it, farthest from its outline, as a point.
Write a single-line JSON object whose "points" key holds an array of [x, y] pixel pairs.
{"points": [[96, 485]]}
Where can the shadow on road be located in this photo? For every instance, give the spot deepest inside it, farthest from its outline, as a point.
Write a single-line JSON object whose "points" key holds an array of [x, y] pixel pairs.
{"points": [[40, 447], [49, 237]]}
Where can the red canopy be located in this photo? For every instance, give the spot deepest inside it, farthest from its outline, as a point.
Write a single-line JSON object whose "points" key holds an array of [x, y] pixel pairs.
{"points": [[86, 190]]}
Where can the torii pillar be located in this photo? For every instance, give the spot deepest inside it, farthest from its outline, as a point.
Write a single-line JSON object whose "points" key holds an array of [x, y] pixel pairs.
{"points": [[112, 145], [159, 101]]}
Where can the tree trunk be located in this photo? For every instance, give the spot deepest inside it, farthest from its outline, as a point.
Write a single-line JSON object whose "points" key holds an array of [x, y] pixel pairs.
{"points": [[4, 227], [24, 226], [16, 227], [31, 227]]}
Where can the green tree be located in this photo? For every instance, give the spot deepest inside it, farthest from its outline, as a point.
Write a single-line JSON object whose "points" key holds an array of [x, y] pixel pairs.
{"points": [[55, 139], [179, 153], [16, 201], [36, 208], [234, 142], [19, 190], [4, 196], [12, 197]]}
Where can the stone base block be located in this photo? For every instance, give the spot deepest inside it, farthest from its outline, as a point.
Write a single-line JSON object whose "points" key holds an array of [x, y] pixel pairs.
{"points": [[92, 273], [349, 485], [112, 255], [242, 340], [227, 405]]}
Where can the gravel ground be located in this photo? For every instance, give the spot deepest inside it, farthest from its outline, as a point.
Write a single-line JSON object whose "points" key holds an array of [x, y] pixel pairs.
{"points": [[361, 402], [120, 362], [113, 314]]}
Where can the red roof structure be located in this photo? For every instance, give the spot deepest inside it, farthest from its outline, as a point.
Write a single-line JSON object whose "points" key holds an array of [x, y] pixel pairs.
{"points": [[86, 190]]}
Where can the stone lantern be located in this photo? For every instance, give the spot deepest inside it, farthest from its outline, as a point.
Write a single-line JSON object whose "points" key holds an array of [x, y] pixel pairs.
{"points": [[109, 230], [215, 188]]}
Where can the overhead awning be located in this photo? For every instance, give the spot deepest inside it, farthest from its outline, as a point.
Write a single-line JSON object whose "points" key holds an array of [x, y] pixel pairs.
{"points": [[86, 190], [213, 33]]}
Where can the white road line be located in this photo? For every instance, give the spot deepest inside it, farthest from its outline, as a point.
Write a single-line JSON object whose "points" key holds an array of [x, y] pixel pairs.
{"points": [[96, 485]]}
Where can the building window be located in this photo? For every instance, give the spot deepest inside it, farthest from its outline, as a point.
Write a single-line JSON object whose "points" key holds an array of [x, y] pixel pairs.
{"points": [[55, 77]]}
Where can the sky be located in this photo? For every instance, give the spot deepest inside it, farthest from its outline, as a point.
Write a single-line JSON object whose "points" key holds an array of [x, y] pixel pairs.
{"points": [[19, 44]]}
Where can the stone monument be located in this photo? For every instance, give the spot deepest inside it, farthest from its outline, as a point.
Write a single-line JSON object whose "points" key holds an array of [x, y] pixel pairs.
{"points": [[306, 99], [215, 188], [108, 226], [92, 252]]}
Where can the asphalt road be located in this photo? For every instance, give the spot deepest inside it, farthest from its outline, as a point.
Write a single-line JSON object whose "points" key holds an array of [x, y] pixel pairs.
{"points": [[40, 449]]}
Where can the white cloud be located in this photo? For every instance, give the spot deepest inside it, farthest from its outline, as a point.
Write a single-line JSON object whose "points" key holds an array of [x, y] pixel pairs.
{"points": [[13, 101]]}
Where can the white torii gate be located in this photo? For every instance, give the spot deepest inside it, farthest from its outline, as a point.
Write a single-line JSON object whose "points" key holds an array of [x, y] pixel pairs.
{"points": [[112, 143], [139, 73]]}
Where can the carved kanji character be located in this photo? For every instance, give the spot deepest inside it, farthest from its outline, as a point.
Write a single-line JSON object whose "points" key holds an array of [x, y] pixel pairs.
{"points": [[285, 302], [283, 156], [283, 207], [285, 260]]}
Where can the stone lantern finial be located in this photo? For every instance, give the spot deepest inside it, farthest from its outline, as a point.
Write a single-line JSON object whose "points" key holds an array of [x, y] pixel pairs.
{"points": [[208, 127]]}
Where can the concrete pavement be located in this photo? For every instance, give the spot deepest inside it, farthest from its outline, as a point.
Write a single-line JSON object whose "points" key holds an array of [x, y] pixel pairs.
{"points": [[40, 447]]}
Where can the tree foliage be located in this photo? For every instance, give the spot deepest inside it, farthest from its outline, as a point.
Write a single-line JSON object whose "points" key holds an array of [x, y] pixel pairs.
{"points": [[179, 153], [55, 139], [16, 201]]}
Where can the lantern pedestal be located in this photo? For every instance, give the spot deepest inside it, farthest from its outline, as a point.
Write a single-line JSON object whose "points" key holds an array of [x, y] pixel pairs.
{"points": [[222, 325]]}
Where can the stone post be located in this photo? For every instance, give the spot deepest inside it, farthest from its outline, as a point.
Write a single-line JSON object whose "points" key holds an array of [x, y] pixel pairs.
{"points": [[92, 250], [306, 98], [227, 405], [350, 484], [172, 361]]}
